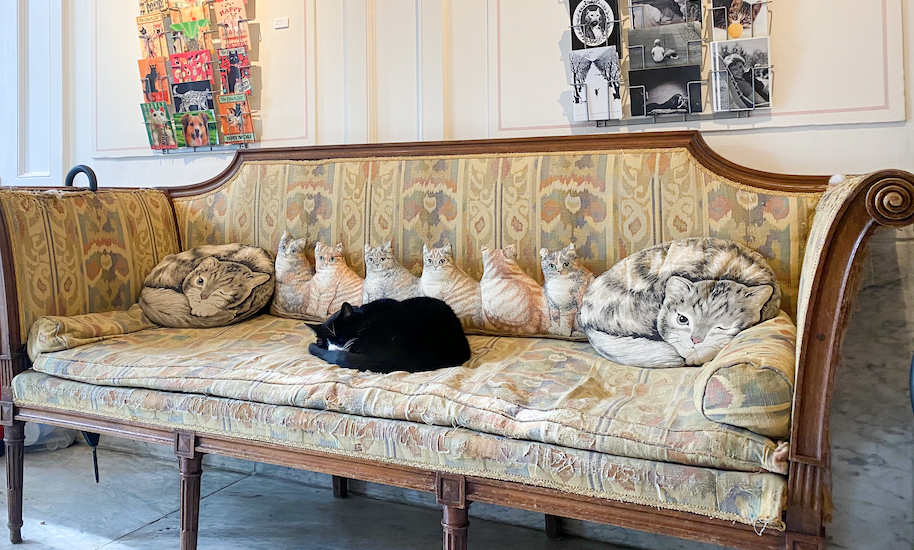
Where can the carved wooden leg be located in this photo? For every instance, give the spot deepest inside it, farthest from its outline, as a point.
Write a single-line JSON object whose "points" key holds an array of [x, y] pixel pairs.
{"points": [[455, 524], [340, 487], [451, 494], [191, 470], [14, 438], [553, 526]]}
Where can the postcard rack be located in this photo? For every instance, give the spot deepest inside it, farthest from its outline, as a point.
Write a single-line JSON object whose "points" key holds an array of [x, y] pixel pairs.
{"points": [[195, 75], [731, 34]]}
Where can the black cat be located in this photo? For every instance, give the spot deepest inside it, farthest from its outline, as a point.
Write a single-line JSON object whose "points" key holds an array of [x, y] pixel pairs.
{"points": [[418, 334]]}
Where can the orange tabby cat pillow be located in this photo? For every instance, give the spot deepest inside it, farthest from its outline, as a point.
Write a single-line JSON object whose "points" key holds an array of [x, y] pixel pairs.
{"points": [[303, 292], [507, 301]]}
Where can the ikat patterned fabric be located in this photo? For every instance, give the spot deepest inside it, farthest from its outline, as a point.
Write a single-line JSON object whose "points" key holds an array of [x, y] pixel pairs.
{"points": [[59, 333], [750, 382], [552, 391], [77, 252], [609, 203], [752, 498]]}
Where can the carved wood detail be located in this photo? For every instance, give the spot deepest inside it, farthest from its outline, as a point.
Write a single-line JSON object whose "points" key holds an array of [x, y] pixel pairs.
{"points": [[891, 202], [451, 490], [185, 444], [455, 525], [14, 440], [191, 470], [805, 542]]}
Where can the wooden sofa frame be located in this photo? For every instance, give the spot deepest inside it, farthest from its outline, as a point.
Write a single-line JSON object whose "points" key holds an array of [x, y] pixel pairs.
{"points": [[886, 199]]}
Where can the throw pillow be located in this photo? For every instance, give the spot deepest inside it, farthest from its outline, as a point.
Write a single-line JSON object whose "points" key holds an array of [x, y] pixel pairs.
{"points": [[678, 303], [208, 286]]}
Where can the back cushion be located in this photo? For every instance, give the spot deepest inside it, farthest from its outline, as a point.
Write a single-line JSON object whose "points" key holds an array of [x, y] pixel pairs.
{"points": [[609, 203]]}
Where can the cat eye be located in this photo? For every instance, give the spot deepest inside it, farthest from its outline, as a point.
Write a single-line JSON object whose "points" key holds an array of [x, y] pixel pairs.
{"points": [[682, 319], [199, 280], [565, 264], [320, 258], [441, 261], [428, 260], [551, 266]]}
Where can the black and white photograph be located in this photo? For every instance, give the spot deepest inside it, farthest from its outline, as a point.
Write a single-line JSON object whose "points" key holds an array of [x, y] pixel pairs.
{"points": [[594, 24], [667, 46], [741, 74], [596, 82], [192, 96], [673, 90], [734, 19], [646, 14]]}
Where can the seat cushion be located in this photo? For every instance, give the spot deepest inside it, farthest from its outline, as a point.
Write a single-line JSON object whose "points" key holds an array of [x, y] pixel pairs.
{"points": [[549, 391], [752, 498]]}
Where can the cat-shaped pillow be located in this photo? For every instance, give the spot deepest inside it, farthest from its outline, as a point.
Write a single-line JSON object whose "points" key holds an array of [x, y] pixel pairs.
{"points": [[313, 294], [208, 286], [678, 303]]}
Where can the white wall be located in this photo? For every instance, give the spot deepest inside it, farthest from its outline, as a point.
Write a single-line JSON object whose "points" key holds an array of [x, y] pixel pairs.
{"points": [[349, 71]]}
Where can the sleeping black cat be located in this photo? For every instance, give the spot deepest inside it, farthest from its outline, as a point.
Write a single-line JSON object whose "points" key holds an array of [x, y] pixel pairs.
{"points": [[418, 334]]}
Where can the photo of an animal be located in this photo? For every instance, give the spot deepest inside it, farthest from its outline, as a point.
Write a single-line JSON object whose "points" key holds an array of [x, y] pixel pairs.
{"points": [[159, 128], [195, 128], [192, 96]]}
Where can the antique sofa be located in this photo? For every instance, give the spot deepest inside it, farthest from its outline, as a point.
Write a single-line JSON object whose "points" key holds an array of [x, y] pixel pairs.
{"points": [[735, 452]]}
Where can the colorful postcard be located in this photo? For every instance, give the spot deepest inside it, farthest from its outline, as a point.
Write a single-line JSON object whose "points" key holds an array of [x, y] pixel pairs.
{"points": [[735, 19], [235, 115], [741, 74], [672, 90], [148, 7], [192, 96], [151, 32], [666, 46], [646, 14], [595, 24], [192, 66], [159, 126], [189, 10], [597, 83], [235, 71], [231, 18], [154, 77], [197, 128]]}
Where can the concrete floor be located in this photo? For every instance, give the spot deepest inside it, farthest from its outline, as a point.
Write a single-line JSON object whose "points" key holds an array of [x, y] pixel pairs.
{"points": [[135, 507]]}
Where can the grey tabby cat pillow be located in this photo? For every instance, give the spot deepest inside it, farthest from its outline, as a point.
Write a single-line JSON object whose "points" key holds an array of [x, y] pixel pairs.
{"points": [[678, 303], [208, 286]]}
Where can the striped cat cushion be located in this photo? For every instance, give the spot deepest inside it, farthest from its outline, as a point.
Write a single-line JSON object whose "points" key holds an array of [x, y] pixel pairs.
{"points": [[208, 286], [507, 301]]}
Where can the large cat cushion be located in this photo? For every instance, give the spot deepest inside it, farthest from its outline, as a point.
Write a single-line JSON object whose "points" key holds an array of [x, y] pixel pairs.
{"points": [[208, 286], [678, 303]]}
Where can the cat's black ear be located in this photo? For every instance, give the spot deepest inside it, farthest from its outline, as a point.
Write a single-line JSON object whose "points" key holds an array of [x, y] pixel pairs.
{"points": [[346, 310], [315, 327]]}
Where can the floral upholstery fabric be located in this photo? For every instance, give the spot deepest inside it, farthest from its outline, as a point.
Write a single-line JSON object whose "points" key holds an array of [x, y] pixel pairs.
{"points": [[753, 498], [552, 391], [750, 382], [55, 333], [610, 203], [77, 252]]}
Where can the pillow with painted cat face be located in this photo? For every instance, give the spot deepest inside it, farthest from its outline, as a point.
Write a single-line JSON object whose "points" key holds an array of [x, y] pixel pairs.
{"points": [[208, 286], [678, 303]]}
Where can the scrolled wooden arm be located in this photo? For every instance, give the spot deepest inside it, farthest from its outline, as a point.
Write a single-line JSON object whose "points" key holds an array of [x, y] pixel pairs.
{"points": [[881, 199]]}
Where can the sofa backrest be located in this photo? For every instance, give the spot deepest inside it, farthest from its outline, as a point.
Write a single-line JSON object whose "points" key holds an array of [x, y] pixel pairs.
{"points": [[611, 203], [74, 252]]}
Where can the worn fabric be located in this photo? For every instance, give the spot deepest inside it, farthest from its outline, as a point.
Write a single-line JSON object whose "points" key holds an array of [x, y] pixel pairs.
{"points": [[827, 213], [77, 252], [750, 382], [55, 333], [609, 203], [753, 498], [552, 391]]}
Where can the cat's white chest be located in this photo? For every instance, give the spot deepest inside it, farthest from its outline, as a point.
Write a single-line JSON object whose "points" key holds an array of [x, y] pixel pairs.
{"points": [[432, 285], [560, 290]]}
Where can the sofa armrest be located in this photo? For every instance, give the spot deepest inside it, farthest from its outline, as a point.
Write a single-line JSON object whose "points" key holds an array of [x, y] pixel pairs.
{"points": [[55, 333], [72, 252], [750, 382]]}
